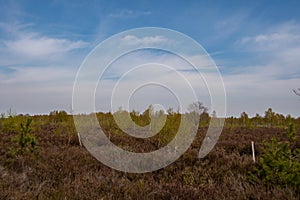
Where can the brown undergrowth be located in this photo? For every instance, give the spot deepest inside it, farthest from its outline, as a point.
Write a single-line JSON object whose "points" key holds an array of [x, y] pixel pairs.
{"points": [[61, 169]]}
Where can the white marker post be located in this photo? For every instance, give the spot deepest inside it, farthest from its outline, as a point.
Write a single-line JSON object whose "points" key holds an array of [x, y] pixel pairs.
{"points": [[79, 138], [253, 151]]}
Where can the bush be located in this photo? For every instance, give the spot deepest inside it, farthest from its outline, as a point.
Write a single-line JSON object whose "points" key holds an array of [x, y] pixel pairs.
{"points": [[279, 162], [58, 116], [26, 141], [9, 125]]}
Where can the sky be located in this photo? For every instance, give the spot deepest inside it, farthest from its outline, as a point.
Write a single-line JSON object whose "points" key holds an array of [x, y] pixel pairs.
{"points": [[254, 44]]}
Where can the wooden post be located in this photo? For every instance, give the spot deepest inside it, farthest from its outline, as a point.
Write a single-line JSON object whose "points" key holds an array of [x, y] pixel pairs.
{"points": [[253, 151], [79, 139]]}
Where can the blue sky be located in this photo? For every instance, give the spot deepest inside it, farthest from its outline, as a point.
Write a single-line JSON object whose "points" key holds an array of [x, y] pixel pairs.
{"points": [[255, 44]]}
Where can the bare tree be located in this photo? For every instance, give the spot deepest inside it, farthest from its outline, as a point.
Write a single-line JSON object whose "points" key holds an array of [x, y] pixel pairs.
{"points": [[197, 107], [297, 92]]}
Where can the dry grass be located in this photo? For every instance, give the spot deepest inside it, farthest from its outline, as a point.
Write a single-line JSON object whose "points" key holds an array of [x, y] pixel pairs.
{"points": [[61, 169]]}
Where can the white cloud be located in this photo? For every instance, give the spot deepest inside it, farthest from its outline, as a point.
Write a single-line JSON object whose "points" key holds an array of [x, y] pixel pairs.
{"points": [[272, 40], [37, 70], [270, 80], [133, 40], [36, 46], [156, 71], [283, 36], [30, 44], [278, 48]]}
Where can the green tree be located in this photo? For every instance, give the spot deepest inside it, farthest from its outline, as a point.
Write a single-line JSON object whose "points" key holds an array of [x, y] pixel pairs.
{"points": [[145, 117], [204, 119], [257, 120], [280, 119], [270, 117], [279, 162], [26, 141], [288, 119], [58, 116], [244, 119]]}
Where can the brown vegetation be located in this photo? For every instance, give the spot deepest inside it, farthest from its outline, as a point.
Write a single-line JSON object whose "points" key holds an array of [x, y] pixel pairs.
{"points": [[60, 168]]}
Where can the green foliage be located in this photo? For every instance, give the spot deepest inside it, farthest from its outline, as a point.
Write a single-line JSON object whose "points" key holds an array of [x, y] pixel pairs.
{"points": [[25, 140], [58, 116], [244, 119], [9, 125], [204, 119], [292, 133], [279, 162], [170, 128], [270, 119]]}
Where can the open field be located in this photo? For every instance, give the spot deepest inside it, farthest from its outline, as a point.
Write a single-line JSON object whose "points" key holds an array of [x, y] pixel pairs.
{"points": [[59, 168], [150, 100]]}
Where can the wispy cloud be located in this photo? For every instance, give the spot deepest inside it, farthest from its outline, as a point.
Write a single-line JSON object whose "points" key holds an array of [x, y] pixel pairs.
{"points": [[285, 36], [134, 40], [141, 67], [123, 14], [277, 50], [268, 82], [36, 70], [36, 46], [273, 37], [33, 44]]}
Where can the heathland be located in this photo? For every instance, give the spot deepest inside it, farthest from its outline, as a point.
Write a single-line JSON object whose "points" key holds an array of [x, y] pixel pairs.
{"points": [[41, 158]]}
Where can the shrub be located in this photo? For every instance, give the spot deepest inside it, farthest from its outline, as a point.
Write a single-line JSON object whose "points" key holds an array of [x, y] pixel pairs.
{"points": [[58, 116], [25, 141], [9, 125], [279, 162]]}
